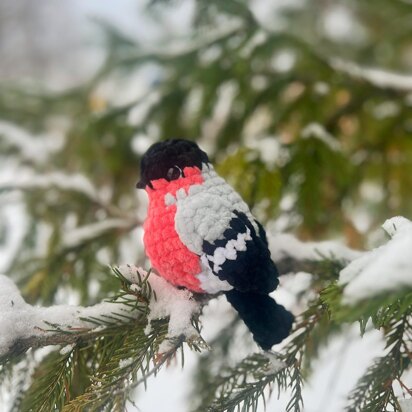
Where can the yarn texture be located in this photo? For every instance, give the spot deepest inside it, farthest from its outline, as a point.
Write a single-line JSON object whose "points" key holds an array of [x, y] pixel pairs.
{"points": [[199, 234]]}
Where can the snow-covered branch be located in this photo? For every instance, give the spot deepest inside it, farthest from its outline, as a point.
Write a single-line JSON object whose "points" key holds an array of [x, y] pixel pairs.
{"points": [[181, 49], [292, 255], [384, 269], [84, 234], [317, 131], [28, 180], [378, 77], [23, 326], [33, 148]]}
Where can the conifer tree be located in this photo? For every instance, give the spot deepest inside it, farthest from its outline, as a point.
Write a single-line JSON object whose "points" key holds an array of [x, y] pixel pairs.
{"points": [[311, 126]]}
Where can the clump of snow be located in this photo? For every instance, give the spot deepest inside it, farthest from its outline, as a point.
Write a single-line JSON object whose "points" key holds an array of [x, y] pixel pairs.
{"points": [[296, 291], [133, 274], [397, 225], [340, 24], [167, 301], [140, 143], [283, 245], [406, 404], [283, 61], [269, 148], [317, 131], [124, 363], [384, 269], [19, 320], [276, 364], [386, 109], [65, 350], [321, 88]]}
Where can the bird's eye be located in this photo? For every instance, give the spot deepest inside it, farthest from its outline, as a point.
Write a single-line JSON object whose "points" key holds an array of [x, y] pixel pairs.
{"points": [[174, 173]]}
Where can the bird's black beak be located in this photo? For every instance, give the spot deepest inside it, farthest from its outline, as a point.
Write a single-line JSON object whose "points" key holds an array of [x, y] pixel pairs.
{"points": [[140, 184]]}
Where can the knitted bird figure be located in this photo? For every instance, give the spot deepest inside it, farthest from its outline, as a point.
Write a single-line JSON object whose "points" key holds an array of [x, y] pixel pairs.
{"points": [[200, 234]]}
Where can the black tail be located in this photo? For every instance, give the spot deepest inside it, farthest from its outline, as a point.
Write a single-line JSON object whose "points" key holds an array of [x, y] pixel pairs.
{"points": [[269, 322]]}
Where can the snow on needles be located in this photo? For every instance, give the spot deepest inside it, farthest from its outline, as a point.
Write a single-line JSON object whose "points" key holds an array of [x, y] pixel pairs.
{"points": [[19, 320], [284, 245], [77, 236], [385, 269], [317, 131], [406, 404], [35, 148], [26, 179], [168, 301]]}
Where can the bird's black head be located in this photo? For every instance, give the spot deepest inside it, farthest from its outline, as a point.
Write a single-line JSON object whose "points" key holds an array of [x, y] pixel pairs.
{"points": [[167, 160]]}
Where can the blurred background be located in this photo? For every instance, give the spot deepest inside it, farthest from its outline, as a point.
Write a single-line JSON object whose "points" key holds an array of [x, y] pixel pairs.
{"points": [[304, 106]]}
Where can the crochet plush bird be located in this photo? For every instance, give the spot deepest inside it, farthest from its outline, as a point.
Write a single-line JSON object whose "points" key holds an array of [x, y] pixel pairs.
{"points": [[199, 234]]}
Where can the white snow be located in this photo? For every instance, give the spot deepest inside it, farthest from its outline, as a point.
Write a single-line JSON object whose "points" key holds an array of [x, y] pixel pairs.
{"points": [[66, 349], [124, 363], [406, 404], [283, 61], [276, 364], [26, 179], [19, 320], [140, 143], [270, 150], [15, 221], [377, 77], [34, 148], [317, 131], [284, 245], [384, 269], [139, 112], [168, 301], [82, 234], [340, 24], [386, 109]]}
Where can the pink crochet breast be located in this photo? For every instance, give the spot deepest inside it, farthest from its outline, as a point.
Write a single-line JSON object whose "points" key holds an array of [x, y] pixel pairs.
{"points": [[168, 255]]}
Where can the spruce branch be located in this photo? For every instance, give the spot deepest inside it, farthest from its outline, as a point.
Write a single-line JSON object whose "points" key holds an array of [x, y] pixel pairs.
{"points": [[374, 391], [247, 384], [286, 264], [50, 385], [116, 352]]}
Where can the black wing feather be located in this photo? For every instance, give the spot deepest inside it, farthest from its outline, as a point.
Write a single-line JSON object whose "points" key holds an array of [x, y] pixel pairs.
{"points": [[252, 270]]}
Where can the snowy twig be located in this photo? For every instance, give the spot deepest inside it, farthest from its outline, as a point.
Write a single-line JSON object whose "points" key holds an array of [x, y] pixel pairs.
{"points": [[378, 77], [23, 326], [49, 338], [292, 255], [164, 358], [178, 50], [84, 234], [317, 131], [34, 148], [27, 180], [288, 265]]}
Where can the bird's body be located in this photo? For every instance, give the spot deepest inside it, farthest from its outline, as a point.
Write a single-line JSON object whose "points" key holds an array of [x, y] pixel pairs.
{"points": [[201, 235]]}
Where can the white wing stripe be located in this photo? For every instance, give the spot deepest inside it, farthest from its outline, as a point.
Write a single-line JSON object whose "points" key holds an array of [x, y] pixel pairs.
{"points": [[221, 254]]}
